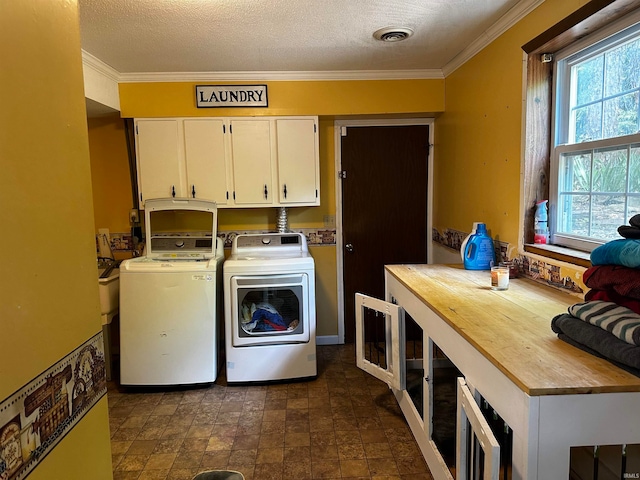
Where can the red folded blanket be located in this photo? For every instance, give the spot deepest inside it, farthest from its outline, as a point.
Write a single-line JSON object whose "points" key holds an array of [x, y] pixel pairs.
{"points": [[623, 280], [613, 296]]}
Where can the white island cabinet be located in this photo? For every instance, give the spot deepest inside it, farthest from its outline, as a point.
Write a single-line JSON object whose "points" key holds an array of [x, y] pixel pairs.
{"points": [[236, 162], [487, 388]]}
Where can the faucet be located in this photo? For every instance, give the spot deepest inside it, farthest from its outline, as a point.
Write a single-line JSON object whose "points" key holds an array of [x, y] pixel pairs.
{"points": [[105, 247]]}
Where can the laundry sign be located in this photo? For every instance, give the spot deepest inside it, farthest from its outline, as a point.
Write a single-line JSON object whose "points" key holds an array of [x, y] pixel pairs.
{"points": [[212, 96]]}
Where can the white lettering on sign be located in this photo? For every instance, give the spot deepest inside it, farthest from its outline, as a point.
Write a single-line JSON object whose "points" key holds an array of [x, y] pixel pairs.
{"points": [[212, 96]]}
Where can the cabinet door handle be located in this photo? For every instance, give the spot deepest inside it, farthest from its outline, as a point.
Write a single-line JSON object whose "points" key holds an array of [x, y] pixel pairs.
{"points": [[193, 191], [285, 190], [266, 192], [173, 190]]}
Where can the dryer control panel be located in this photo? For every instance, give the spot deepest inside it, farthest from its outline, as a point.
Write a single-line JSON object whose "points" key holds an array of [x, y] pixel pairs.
{"points": [[270, 244], [268, 240]]}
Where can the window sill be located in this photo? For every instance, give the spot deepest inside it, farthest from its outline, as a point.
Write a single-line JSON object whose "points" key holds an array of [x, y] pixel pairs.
{"points": [[563, 254]]}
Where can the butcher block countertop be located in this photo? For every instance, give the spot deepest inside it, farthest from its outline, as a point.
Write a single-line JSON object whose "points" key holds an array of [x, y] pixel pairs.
{"points": [[512, 329]]}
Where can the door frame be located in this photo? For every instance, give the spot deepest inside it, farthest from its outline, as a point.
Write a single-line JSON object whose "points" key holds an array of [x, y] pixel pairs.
{"points": [[338, 126]]}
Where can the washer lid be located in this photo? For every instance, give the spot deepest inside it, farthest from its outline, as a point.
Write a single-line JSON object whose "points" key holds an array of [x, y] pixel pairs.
{"points": [[169, 265], [180, 225]]}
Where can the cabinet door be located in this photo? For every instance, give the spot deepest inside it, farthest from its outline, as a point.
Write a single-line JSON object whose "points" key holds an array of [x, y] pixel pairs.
{"points": [[379, 349], [474, 439], [159, 158], [298, 164], [205, 158], [251, 157]]}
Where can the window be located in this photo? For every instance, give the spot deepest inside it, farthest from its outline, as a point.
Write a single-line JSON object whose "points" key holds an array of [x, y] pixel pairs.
{"points": [[595, 153]]}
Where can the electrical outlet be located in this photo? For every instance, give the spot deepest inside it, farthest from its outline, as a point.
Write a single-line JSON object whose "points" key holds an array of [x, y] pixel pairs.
{"points": [[329, 221], [134, 216]]}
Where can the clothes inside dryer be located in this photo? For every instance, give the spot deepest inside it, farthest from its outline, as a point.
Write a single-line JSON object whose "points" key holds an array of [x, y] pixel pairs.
{"points": [[270, 311]]}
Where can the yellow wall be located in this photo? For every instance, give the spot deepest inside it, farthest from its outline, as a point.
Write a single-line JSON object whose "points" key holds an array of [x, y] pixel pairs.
{"points": [[110, 176], [478, 138], [48, 291], [347, 97], [326, 290]]}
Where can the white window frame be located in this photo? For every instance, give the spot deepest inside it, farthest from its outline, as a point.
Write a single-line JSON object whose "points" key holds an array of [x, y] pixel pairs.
{"points": [[560, 119]]}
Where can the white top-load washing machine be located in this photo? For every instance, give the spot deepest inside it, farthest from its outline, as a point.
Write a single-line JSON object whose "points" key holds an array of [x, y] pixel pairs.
{"points": [[270, 309], [171, 298]]}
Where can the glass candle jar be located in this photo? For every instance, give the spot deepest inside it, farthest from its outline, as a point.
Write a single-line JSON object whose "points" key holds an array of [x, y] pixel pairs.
{"points": [[500, 278]]}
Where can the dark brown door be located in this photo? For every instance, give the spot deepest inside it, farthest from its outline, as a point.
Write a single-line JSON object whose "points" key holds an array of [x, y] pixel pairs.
{"points": [[384, 206]]}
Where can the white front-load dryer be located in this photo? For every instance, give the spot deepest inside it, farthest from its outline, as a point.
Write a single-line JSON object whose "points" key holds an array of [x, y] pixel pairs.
{"points": [[270, 313]]}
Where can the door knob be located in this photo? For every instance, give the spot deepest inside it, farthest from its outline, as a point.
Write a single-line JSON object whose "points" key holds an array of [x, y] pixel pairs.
{"points": [[349, 247]]}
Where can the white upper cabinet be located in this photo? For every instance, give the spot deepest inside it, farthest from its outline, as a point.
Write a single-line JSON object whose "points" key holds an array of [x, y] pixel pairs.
{"points": [[236, 162], [297, 158], [206, 159], [160, 159], [252, 161]]}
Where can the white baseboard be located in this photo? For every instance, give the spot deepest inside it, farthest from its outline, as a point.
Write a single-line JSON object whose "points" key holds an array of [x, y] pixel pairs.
{"points": [[328, 340]]}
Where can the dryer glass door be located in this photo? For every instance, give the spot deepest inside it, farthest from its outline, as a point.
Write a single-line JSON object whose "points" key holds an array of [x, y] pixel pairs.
{"points": [[270, 309]]}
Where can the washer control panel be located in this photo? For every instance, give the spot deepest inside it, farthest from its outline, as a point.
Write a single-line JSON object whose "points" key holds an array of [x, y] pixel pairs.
{"points": [[180, 243]]}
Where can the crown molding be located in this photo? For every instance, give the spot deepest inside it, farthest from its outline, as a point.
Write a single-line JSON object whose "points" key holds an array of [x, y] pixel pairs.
{"points": [[100, 67], [508, 20], [280, 76]]}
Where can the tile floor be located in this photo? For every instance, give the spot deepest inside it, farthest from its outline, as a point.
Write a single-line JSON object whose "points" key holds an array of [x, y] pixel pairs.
{"points": [[344, 424]]}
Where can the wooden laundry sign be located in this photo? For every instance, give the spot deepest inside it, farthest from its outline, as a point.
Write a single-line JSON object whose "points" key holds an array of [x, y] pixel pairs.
{"points": [[212, 96]]}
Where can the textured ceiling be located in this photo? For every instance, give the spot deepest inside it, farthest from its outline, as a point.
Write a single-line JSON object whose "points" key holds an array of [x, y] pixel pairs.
{"points": [[161, 36]]}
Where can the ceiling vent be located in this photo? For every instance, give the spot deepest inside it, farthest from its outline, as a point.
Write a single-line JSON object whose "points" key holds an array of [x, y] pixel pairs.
{"points": [[392, 34]]}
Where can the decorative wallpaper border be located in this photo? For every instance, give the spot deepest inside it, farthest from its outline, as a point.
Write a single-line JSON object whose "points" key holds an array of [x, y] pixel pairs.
{"points": [[35, 418], [539, 270], [123, 242], [119, 242]]}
